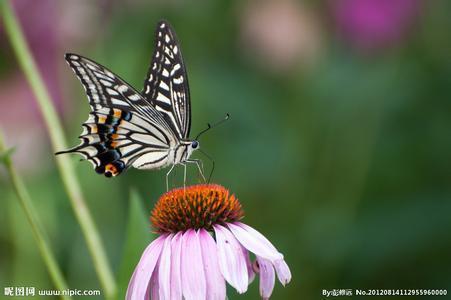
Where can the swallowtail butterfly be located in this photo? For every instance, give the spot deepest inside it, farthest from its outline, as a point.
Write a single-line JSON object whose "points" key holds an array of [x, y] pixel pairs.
{"points": [[147, 130]]}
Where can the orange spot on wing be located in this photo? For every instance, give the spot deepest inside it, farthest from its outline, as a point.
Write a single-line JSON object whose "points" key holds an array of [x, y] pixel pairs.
{"points": [[102, 119], [112, 169], [117, 113]]}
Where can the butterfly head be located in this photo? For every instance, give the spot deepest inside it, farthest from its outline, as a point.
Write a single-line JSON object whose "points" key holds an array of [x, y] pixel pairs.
{"points": [[192, 146], [195, 145]]}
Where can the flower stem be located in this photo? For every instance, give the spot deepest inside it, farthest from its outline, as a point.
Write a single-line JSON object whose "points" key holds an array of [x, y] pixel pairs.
{"points": [[53, 124], [32, 216]]}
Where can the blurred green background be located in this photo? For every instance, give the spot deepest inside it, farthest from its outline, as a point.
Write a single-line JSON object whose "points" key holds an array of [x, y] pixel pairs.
{"points": [[338, 144]]}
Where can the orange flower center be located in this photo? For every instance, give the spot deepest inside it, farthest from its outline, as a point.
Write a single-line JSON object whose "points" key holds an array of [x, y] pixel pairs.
{"points": [[197, 206]]}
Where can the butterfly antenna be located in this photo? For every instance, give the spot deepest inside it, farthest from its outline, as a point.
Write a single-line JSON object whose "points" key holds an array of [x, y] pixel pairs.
{"points": [[209, 126], [212, 162]]}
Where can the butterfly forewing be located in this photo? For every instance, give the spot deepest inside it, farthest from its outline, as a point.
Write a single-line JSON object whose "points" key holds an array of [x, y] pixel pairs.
{"points": [[126, 128], [166, 85], [123, 127]]}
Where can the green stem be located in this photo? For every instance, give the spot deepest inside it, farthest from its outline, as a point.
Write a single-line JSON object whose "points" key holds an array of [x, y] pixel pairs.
{"points": [[32, 216], [65, 167]]}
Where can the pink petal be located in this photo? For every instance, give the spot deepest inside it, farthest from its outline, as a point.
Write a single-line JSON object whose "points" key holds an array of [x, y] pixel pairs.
{"points": [[216, 288], [232, 262], [250, 269], [154, 287], [267, 277], [139, 282], [164, 269], [176, 251], [193, 277], [147, 296], [283, 271], [254, 241]]}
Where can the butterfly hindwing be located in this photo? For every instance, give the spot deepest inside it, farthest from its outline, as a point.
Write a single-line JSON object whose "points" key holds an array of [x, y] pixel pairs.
{"points": [[166, 85], [122, 127]]}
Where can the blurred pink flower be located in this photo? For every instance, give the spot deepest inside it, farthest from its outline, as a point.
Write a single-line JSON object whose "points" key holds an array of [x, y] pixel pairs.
{"points": [[280, 34], [45, 31], [373, 24], [20, 119], [188, 261]]}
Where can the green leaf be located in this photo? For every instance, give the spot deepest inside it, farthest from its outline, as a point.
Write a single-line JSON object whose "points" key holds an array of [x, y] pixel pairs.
{"points": [[138, 237]]}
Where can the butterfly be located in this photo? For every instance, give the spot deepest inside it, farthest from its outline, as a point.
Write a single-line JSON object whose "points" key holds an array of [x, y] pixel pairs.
{"points": [[147, 130]]}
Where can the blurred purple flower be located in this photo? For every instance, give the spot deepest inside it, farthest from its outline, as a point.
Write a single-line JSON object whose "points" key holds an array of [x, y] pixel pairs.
{"points": [[374, 24], [20, 118], [46, 25], [38, 22]]}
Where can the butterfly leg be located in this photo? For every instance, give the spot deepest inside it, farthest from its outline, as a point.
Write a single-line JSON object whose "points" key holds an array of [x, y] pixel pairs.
{"points": [[167, 177], [200, 166], [201, 169], [184, 175], [212, 164]]}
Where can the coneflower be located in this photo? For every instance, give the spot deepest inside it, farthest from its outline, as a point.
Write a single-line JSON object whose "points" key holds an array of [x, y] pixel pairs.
{"points": [[203, 244]]}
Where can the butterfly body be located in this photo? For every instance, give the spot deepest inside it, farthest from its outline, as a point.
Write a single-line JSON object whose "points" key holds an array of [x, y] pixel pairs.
{"points": [[178, 154], [125, 128]]}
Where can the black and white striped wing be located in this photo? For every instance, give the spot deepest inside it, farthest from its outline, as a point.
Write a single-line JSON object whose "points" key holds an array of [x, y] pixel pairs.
{"points": [[123, 129], [166, 85]]}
